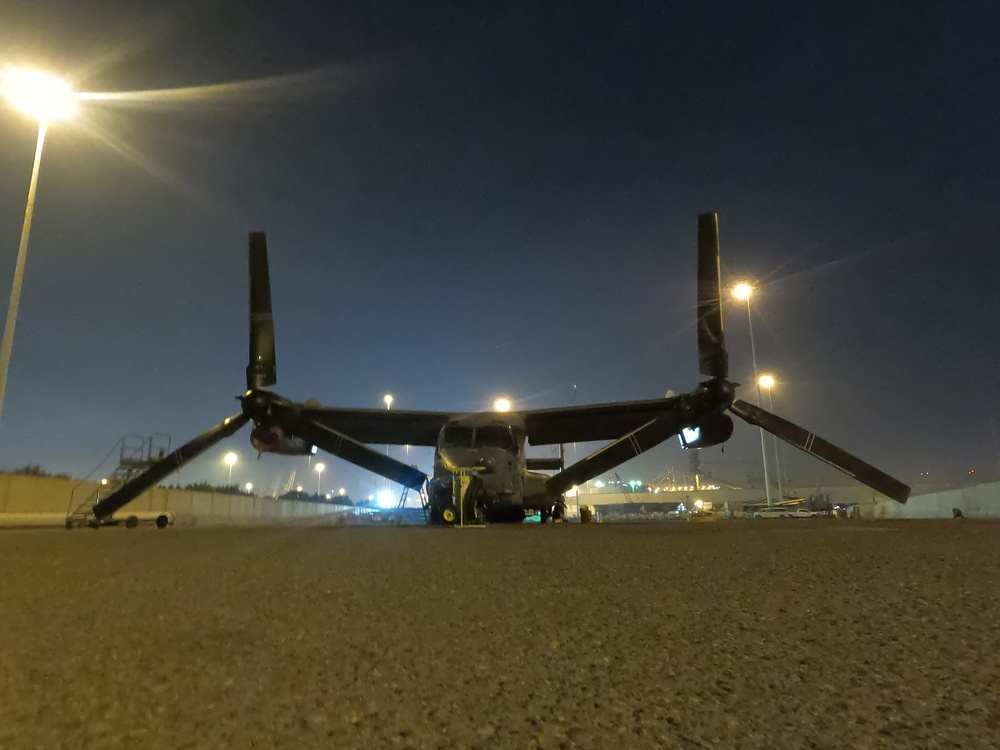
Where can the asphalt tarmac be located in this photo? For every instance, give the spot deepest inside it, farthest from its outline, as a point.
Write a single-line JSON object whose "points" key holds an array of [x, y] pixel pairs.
{"points": [[741, 634]]}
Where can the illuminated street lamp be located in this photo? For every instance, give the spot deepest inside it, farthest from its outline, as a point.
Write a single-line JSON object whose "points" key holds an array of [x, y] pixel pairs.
{"points": [[249, 487], [47, 99], [501, 404], [319, 476], [767, 382], [230, 459], [743, 292]]}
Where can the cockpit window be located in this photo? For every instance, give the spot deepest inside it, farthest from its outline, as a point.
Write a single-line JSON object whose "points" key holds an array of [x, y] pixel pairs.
{"points": [[494, 436], [457, 436]]}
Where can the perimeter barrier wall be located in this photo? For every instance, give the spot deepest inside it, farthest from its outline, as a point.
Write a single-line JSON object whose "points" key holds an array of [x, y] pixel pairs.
{"points": [[974, 501], [26, 495]]}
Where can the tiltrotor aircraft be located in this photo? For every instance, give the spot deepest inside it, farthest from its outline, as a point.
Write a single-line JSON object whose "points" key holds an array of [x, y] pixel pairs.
{"points": [[481, 472]]}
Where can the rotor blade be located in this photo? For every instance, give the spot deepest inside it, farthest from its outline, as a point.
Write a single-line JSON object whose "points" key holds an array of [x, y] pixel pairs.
{"points": [[262, 367], [713, 360], [345, 447], [823, 450], [638, 441], [170, 463]]}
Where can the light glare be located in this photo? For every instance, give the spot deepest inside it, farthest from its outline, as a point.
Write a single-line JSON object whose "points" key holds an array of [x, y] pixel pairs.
{"points": [[38, 94], [743, 291]]}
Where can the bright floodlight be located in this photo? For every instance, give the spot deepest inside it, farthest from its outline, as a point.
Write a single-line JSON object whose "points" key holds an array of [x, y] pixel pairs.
{"points": [[501, 404], [387, 398], [766, 382], [230, 458], [320, 468], [249, 486], [38, 94], [385, 499], [742, 291]]}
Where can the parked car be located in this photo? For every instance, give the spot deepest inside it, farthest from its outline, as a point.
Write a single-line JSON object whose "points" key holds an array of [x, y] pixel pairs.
{"points": [[772, 512], [800, 513]]}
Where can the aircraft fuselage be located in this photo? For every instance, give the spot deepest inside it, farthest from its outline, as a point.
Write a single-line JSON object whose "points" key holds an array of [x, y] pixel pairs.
{"points": [[480, 459]]}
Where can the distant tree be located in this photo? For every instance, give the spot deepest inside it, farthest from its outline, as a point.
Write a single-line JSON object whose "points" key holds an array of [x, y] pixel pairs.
{"points": [[221, 489], [295, 495], [34, 470]]}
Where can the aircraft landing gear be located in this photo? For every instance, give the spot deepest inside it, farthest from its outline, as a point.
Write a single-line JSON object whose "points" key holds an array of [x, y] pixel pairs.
{"points": [[559, 510]]}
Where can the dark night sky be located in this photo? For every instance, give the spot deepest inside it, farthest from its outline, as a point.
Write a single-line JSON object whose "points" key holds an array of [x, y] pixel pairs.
{"points": [[462, 201]]}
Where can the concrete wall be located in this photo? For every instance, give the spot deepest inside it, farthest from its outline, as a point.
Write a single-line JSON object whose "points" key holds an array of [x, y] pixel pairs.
{"points": [[975, 501], [845, 495], [24, 495]]}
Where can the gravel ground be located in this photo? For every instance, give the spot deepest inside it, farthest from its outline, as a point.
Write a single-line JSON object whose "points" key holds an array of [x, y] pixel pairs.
{"points": [[799, 633]]}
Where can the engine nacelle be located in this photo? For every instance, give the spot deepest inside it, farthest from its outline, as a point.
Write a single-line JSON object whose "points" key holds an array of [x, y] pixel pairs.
{"points": [[712, 430], [270, 438]]}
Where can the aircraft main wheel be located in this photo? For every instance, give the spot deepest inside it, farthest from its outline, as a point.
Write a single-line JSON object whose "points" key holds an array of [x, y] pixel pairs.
{"points": [[559, 511], [131, 522], [544, 516], [448, 515]]}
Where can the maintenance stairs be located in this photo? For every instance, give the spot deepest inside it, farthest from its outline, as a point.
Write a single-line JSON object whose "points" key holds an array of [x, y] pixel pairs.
{"points": [[135, 454], [413, 515]]}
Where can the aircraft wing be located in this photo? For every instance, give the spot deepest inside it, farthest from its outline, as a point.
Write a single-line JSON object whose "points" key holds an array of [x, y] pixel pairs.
{"points": [[579, 424], [382, 426]]}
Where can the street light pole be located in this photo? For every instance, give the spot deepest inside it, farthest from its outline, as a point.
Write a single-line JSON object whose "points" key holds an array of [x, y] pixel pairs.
{"points": [[319, 477], [22, 253], [230, 458], [47, 99], [744, 292], [768, 381], [387, 398]]}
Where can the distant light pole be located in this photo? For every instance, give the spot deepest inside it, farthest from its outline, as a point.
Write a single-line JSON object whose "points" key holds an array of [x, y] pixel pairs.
{"points": [[767, 382], [743, 292], [231, 458], [319, 476], [249, 487], [387, 399], [48, 99]]}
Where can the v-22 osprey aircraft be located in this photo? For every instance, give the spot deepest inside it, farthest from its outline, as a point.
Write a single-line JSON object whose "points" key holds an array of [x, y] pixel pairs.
{"points": [[481, 472]]}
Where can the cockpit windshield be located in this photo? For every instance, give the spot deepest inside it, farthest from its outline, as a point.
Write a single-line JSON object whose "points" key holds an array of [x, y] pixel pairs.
{"points": [[488, 436], [494, 436], [456, 436]]}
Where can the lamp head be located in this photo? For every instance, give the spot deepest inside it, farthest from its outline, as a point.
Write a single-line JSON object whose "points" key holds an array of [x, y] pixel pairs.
{"points": [[743, 291], [41, 95]]}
